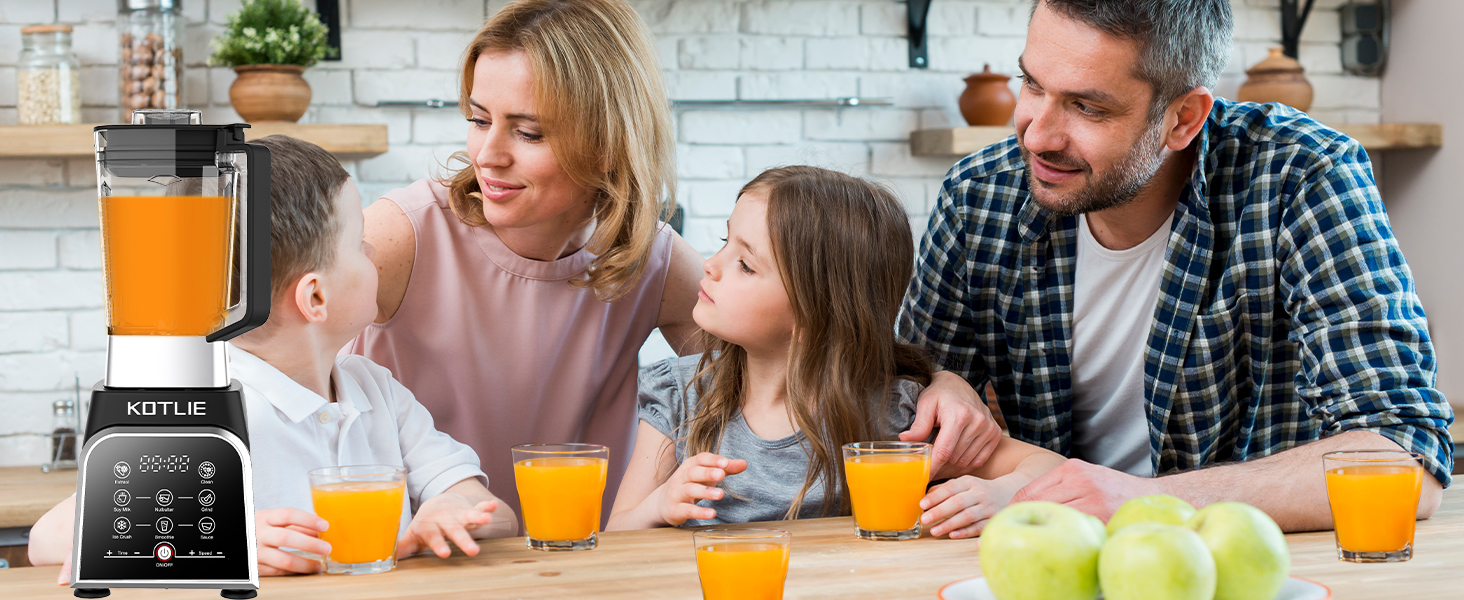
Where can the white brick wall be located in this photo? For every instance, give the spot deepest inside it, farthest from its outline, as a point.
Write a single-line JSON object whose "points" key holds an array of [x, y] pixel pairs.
{"points": [[51, 321]]}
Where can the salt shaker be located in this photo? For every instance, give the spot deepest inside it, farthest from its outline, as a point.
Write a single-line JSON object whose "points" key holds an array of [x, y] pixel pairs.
{"points": [[48, 77], [63, 431], [151, 55]]}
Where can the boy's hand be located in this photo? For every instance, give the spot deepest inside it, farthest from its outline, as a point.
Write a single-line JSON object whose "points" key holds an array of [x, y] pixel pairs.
{"points": [[962, 506], [443, 517], [64, 578], [290, 528], [696, 479]]}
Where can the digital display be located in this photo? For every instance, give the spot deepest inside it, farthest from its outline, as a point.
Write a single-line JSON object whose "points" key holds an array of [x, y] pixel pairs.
{"points": [[162, 463], [163, 507]]}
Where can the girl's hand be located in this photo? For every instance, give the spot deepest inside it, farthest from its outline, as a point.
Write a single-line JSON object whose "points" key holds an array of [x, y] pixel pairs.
{"points": [[446, 516], [696, 479], [962, 506], [290, 528]]}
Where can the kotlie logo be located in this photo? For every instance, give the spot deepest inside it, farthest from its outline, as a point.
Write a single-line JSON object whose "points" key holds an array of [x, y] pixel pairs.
{"points": [[148, 408]]}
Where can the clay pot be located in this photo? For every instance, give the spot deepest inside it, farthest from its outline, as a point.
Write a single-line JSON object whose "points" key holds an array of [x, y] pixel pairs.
{"points": [[1278, 78], [987, 99], [270, 93]]}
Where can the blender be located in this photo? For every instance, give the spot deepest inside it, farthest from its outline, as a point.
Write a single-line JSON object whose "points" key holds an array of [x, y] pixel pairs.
{"points": [[163, 495]]}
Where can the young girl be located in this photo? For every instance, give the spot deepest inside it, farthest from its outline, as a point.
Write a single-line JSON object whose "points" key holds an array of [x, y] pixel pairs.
{"points": [[797, 312]]}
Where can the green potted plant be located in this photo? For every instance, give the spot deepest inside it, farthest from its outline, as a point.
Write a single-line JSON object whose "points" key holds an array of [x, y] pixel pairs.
{"points": [[269, 43]]}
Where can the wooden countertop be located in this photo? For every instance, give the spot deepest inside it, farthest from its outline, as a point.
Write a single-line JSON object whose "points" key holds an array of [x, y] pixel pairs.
{"points": [[827, 562], [26, 493], [347, 141]]}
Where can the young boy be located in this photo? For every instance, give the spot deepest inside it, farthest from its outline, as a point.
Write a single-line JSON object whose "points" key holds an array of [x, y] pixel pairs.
{"points": [[309, 409]]}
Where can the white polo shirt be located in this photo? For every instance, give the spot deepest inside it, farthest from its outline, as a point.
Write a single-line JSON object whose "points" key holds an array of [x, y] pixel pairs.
{"points": [[375, 421]]}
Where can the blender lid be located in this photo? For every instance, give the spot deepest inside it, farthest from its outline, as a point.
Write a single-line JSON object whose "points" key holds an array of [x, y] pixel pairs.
{"points": [[124, 5], [164, 142]]}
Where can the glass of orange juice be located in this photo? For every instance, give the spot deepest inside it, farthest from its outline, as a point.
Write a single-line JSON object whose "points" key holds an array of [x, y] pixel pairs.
{"points": [[742, 564], [886, 482], [363, 505], [1374, 499], [559, 488]]}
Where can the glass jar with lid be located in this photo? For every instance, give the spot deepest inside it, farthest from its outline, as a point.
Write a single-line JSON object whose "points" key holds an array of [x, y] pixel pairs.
{"points": [[150, 58], [48, 77]]}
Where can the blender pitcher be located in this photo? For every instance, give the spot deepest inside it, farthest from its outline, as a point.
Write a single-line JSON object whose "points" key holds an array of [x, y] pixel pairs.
{"points": [[185, 246]]}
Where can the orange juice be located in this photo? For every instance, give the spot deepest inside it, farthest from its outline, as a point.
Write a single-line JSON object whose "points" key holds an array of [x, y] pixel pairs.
{"points": [[167, 263], [885, 490], [560, 496], [363, 517], [742, 571], [1374, 507]]}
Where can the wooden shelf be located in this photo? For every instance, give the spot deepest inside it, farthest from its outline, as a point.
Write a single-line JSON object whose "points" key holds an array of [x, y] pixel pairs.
{"points": [[347, 142], [961, 141]]}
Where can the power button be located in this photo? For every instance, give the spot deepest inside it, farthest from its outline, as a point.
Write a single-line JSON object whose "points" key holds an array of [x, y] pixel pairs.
{"points": [[163, 552]]}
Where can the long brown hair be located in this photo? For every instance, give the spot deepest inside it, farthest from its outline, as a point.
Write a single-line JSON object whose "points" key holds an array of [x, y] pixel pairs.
{"points": [[598, 91], [845, 253]]}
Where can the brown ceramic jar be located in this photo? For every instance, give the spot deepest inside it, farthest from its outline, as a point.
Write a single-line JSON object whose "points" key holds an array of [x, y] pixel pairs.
{"points": [[1278, 78], [987, 99]]}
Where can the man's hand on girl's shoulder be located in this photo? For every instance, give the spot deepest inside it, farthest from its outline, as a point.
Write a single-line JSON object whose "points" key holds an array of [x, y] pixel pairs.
{"points": [[967, 434]]}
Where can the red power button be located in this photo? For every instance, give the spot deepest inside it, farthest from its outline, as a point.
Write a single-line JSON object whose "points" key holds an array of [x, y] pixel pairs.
{"points": [[163, 552]]}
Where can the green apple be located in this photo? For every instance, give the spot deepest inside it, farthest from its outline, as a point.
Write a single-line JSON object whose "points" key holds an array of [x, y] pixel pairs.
{"points": [[1154, 561], [1042, 551], [1159, 508], [1251, 558]]}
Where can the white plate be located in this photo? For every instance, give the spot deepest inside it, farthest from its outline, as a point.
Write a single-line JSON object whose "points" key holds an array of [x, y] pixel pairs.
{"points": [[975, 589]]}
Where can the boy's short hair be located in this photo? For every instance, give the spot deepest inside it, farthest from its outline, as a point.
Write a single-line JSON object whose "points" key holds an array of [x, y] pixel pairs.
{"points": [[304, 181]]}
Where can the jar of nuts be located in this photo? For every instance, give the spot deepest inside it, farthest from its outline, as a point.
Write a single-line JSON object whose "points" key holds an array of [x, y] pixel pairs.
{"points": [[151, 57], [48, 78]]}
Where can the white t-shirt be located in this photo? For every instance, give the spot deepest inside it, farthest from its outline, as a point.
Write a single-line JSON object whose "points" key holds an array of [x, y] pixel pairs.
{"points": [[1114, 295], [375, 421]]}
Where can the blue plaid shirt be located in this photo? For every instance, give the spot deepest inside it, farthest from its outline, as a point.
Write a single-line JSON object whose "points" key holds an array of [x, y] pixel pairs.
{"points": [[1286, 312]]}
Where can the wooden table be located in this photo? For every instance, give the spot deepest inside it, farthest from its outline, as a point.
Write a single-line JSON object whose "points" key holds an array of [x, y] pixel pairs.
{"points": [[827, 562], [26, 493]]}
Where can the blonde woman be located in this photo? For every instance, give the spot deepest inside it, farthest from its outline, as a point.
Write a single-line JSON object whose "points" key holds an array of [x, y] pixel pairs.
{"points": [[516, 293]]}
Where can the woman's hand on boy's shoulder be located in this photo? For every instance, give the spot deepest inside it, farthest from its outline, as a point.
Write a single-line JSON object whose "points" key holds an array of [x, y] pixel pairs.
{"points": [[968, 433], [695, 480], [289, 528]]}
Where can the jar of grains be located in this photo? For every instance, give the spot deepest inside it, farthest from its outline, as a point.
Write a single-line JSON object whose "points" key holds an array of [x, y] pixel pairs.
{"points": [[151, 56], [48, 78]]}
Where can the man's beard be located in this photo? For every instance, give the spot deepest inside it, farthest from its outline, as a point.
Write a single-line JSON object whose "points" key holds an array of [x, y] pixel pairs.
{"points": [[1119, 186]]}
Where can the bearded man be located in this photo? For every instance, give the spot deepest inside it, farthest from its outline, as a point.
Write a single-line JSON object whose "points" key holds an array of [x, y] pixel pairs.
{"points": [[1155, 280]]}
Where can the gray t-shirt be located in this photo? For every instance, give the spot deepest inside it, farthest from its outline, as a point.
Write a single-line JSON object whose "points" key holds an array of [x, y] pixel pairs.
{"points": [[775, 468]]}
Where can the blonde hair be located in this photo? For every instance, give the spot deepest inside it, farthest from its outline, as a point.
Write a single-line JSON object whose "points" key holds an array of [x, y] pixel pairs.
{"points": [[598, 91], [845, 253]]}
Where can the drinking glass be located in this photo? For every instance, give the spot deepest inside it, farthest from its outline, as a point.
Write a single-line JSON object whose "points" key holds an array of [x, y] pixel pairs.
{"points": [[363, 505], [1374, 499], [886, 482], [560, 488], [742, 564]]}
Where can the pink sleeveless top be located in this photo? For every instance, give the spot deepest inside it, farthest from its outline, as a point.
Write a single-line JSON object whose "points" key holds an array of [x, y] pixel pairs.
{"points": [[502, 350]]}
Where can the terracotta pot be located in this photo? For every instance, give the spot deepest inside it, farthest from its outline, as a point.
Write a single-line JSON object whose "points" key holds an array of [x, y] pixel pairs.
{"points": [[270, 93], [1278, 78], [987, 99]]}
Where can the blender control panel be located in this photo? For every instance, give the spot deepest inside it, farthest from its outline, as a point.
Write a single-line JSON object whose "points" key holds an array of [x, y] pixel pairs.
{"points": [[161, 506]]}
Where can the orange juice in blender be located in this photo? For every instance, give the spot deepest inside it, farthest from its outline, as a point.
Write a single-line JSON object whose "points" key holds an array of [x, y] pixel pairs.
{"points": [[363, 505], [886, 481], [167, 263], [560, 493]]}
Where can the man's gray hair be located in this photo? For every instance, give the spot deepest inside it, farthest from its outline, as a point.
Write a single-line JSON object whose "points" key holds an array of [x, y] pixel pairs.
{"points": [[1182, 43]]}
